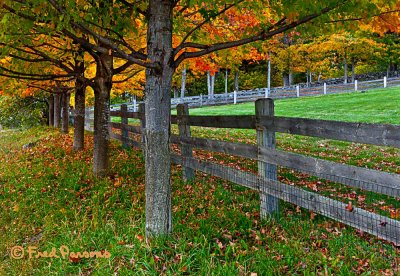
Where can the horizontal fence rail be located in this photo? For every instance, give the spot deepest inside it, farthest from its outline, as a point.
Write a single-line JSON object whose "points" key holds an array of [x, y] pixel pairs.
{"points": [[357, 177], [369, 222], [267, 155], [375, 134]]}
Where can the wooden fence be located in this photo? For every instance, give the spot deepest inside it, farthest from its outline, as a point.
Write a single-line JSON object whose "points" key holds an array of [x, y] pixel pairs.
{"points": [[269, 158]]}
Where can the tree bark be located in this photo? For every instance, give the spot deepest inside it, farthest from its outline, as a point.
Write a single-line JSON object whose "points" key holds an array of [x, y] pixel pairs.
{"points": [[57, 110], [353, 70], [345, 70], [51, 110], [102, 88], [79, 118], [65, 113], [285, 77], [308, 79], [158, 112]]}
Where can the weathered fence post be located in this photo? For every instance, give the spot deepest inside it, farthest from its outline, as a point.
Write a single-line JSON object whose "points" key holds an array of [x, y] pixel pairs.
{"points": [[234, 97], [201, 99], [124, 122], [266, 138], [266, 92], [325, 88], [142, 125], [356, 85], [297, 91], [184, 131], [384, 82]]}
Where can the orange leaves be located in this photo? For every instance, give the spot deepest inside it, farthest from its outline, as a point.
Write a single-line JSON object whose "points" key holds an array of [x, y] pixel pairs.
{"points": [[395, 214], [349, 207]]}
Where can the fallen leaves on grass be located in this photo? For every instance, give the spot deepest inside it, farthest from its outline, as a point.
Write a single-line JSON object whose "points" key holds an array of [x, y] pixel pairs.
{"points": [[349, 207]]}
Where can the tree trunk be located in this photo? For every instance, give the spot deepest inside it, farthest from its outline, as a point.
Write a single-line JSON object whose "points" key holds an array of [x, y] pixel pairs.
{"points": [[285, 77], [290, 77], [102, 88], [79, 118], [308, 80], [158, 112], [65, 113], [237, 81], [57, 110], [183, 86], [353, 70], [51, 110], [175, 90], [345, 70]]}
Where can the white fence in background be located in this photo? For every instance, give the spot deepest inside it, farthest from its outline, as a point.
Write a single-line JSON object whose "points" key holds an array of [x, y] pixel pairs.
{"points": [[275, 93]]}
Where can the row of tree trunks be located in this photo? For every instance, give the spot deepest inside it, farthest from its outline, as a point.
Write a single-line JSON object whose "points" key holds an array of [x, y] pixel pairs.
{"points": [[59, 104]]}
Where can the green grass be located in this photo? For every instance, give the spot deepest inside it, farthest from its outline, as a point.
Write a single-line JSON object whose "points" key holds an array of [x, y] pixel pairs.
{"points": [[49, 198], [375, 106]]}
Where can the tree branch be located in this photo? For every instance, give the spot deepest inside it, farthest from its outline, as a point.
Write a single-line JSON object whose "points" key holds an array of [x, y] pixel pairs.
{"points": [[206, 49]]}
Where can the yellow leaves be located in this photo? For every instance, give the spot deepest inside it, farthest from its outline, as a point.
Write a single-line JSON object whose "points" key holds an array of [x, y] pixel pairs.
{"points": [[395, 214], [16, 208]]}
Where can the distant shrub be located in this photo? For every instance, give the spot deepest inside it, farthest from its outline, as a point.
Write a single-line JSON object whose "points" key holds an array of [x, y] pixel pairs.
{"points": [[17, 112]]}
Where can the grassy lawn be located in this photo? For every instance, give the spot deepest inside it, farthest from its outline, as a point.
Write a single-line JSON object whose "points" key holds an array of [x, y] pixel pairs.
{"points": [[49, 198], [375, 106]]}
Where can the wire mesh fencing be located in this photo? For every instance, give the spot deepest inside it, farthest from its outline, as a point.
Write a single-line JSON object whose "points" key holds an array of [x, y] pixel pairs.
{"points": [[356, 196]]}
